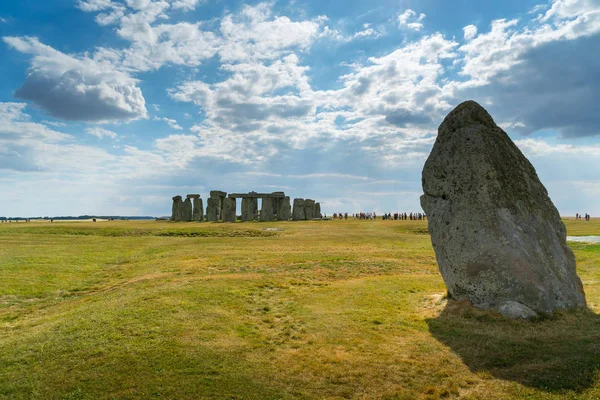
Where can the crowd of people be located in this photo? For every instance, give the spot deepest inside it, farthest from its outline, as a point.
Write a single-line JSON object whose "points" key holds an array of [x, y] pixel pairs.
{"points": [[587, 216], [387, 216]]}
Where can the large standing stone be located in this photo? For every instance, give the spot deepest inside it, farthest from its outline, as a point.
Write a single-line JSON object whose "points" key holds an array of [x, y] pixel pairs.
{"points": [[298, 211], [249, 208], [266, 210], [187, 210], [229, 210], [309, 209], [220, 196], [284, 213], [318, 210], [198, 209], [177, 209], [498, 239], [212, 209]]}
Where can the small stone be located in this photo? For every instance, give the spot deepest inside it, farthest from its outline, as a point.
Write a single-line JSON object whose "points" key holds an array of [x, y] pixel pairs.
{"points": [[514, 310]]}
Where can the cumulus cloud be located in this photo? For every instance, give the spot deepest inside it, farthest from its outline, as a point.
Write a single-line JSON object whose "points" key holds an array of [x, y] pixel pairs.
{"points": [[101, 133], [411, 20], [77, 88], [171, 122], [470, 31]]}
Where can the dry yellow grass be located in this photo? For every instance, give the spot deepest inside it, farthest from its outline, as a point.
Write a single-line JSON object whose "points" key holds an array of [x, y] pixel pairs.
{"points": [[337, 309]]}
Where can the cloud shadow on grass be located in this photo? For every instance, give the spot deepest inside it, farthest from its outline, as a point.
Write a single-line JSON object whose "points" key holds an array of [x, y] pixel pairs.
{"points": [[557, 354]]}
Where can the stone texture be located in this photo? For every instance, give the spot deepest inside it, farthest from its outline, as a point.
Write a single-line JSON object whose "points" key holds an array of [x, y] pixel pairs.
{"points": [[318, 210], [298, 210], [177, 209], [212, 209], [515, 310], [309, 209], [193, 196], [198, 209], [284, 213], [497, 236], [266, 210], [187, 210], [229, 210], [249, 208]]}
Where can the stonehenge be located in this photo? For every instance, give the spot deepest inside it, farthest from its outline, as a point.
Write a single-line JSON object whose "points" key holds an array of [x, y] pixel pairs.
{"points": [[275, 206]]}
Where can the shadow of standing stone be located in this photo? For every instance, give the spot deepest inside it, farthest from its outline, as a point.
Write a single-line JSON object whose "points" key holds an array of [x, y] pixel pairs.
{"points": [[557, 354]]}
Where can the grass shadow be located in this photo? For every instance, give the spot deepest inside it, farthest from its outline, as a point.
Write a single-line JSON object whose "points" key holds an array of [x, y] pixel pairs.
{"points": [[556, 354]]}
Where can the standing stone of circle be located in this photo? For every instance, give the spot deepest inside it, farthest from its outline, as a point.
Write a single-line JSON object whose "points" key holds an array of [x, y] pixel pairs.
{"points": [[249, 208], [177, 209], [309, 209], [198, 214], [284, 213], [187, 210], [276, 201], [318, 210], [498, 239], [229, 206], [220, 196], [298, 211], [266, 210], [212, 209]]}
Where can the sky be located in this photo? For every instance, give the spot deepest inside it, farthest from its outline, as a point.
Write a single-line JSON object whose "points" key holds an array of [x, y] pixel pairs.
{"points": [[112, 107]]}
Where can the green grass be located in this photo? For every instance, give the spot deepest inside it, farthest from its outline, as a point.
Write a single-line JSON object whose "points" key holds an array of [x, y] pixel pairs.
{"points": [[323, 309]]}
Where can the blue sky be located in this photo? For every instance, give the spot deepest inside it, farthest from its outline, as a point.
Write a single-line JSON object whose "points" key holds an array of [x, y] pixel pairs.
{"points": [[114, 106]]}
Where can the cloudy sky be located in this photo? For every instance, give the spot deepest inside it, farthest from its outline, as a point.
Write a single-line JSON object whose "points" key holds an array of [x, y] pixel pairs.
{"points": [[115, 106]]}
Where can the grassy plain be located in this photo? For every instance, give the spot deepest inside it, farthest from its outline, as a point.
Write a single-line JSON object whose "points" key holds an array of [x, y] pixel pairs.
{"points": [[327, 309]]}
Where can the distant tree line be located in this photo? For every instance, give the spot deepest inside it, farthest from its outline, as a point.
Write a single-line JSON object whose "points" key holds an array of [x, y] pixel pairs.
{"points": [[117, 217]]}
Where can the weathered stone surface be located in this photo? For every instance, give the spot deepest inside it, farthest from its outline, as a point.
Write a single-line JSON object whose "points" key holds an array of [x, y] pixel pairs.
{"points": [[177, 209], [266, 210], [249, 208], [198, 209], [318, 210], [309, 209], [284, 213], [497, 236], [218, 193], [212, 209], [229, 210], [193, 196], [187, 210], [298, 213], [512, 309], [276, 195]]}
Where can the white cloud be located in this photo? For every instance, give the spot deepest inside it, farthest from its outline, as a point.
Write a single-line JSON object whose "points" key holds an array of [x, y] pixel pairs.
{"points": [[77, 87], [185, 5], [101, 133], [411, 20], [171, 122], [470, 31]]}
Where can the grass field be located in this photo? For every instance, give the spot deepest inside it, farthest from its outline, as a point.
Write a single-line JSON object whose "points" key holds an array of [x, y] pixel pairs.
{"points": [[322, 309]]}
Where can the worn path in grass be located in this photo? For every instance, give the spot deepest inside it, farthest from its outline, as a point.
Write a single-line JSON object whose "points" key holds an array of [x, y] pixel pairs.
{"points": [[327, 309]]}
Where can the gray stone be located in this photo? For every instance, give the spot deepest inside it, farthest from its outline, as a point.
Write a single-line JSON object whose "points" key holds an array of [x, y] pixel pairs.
{"points": [[512, 309], [177, 209], [249, 208], [229, 210], [298, 213], [198, 209], [193, 196], [276, 195], [496, 234], [187, 210], [284, 213], [318, 210], [309, 209], [219, 196], [212, 209], [266, 210]]}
